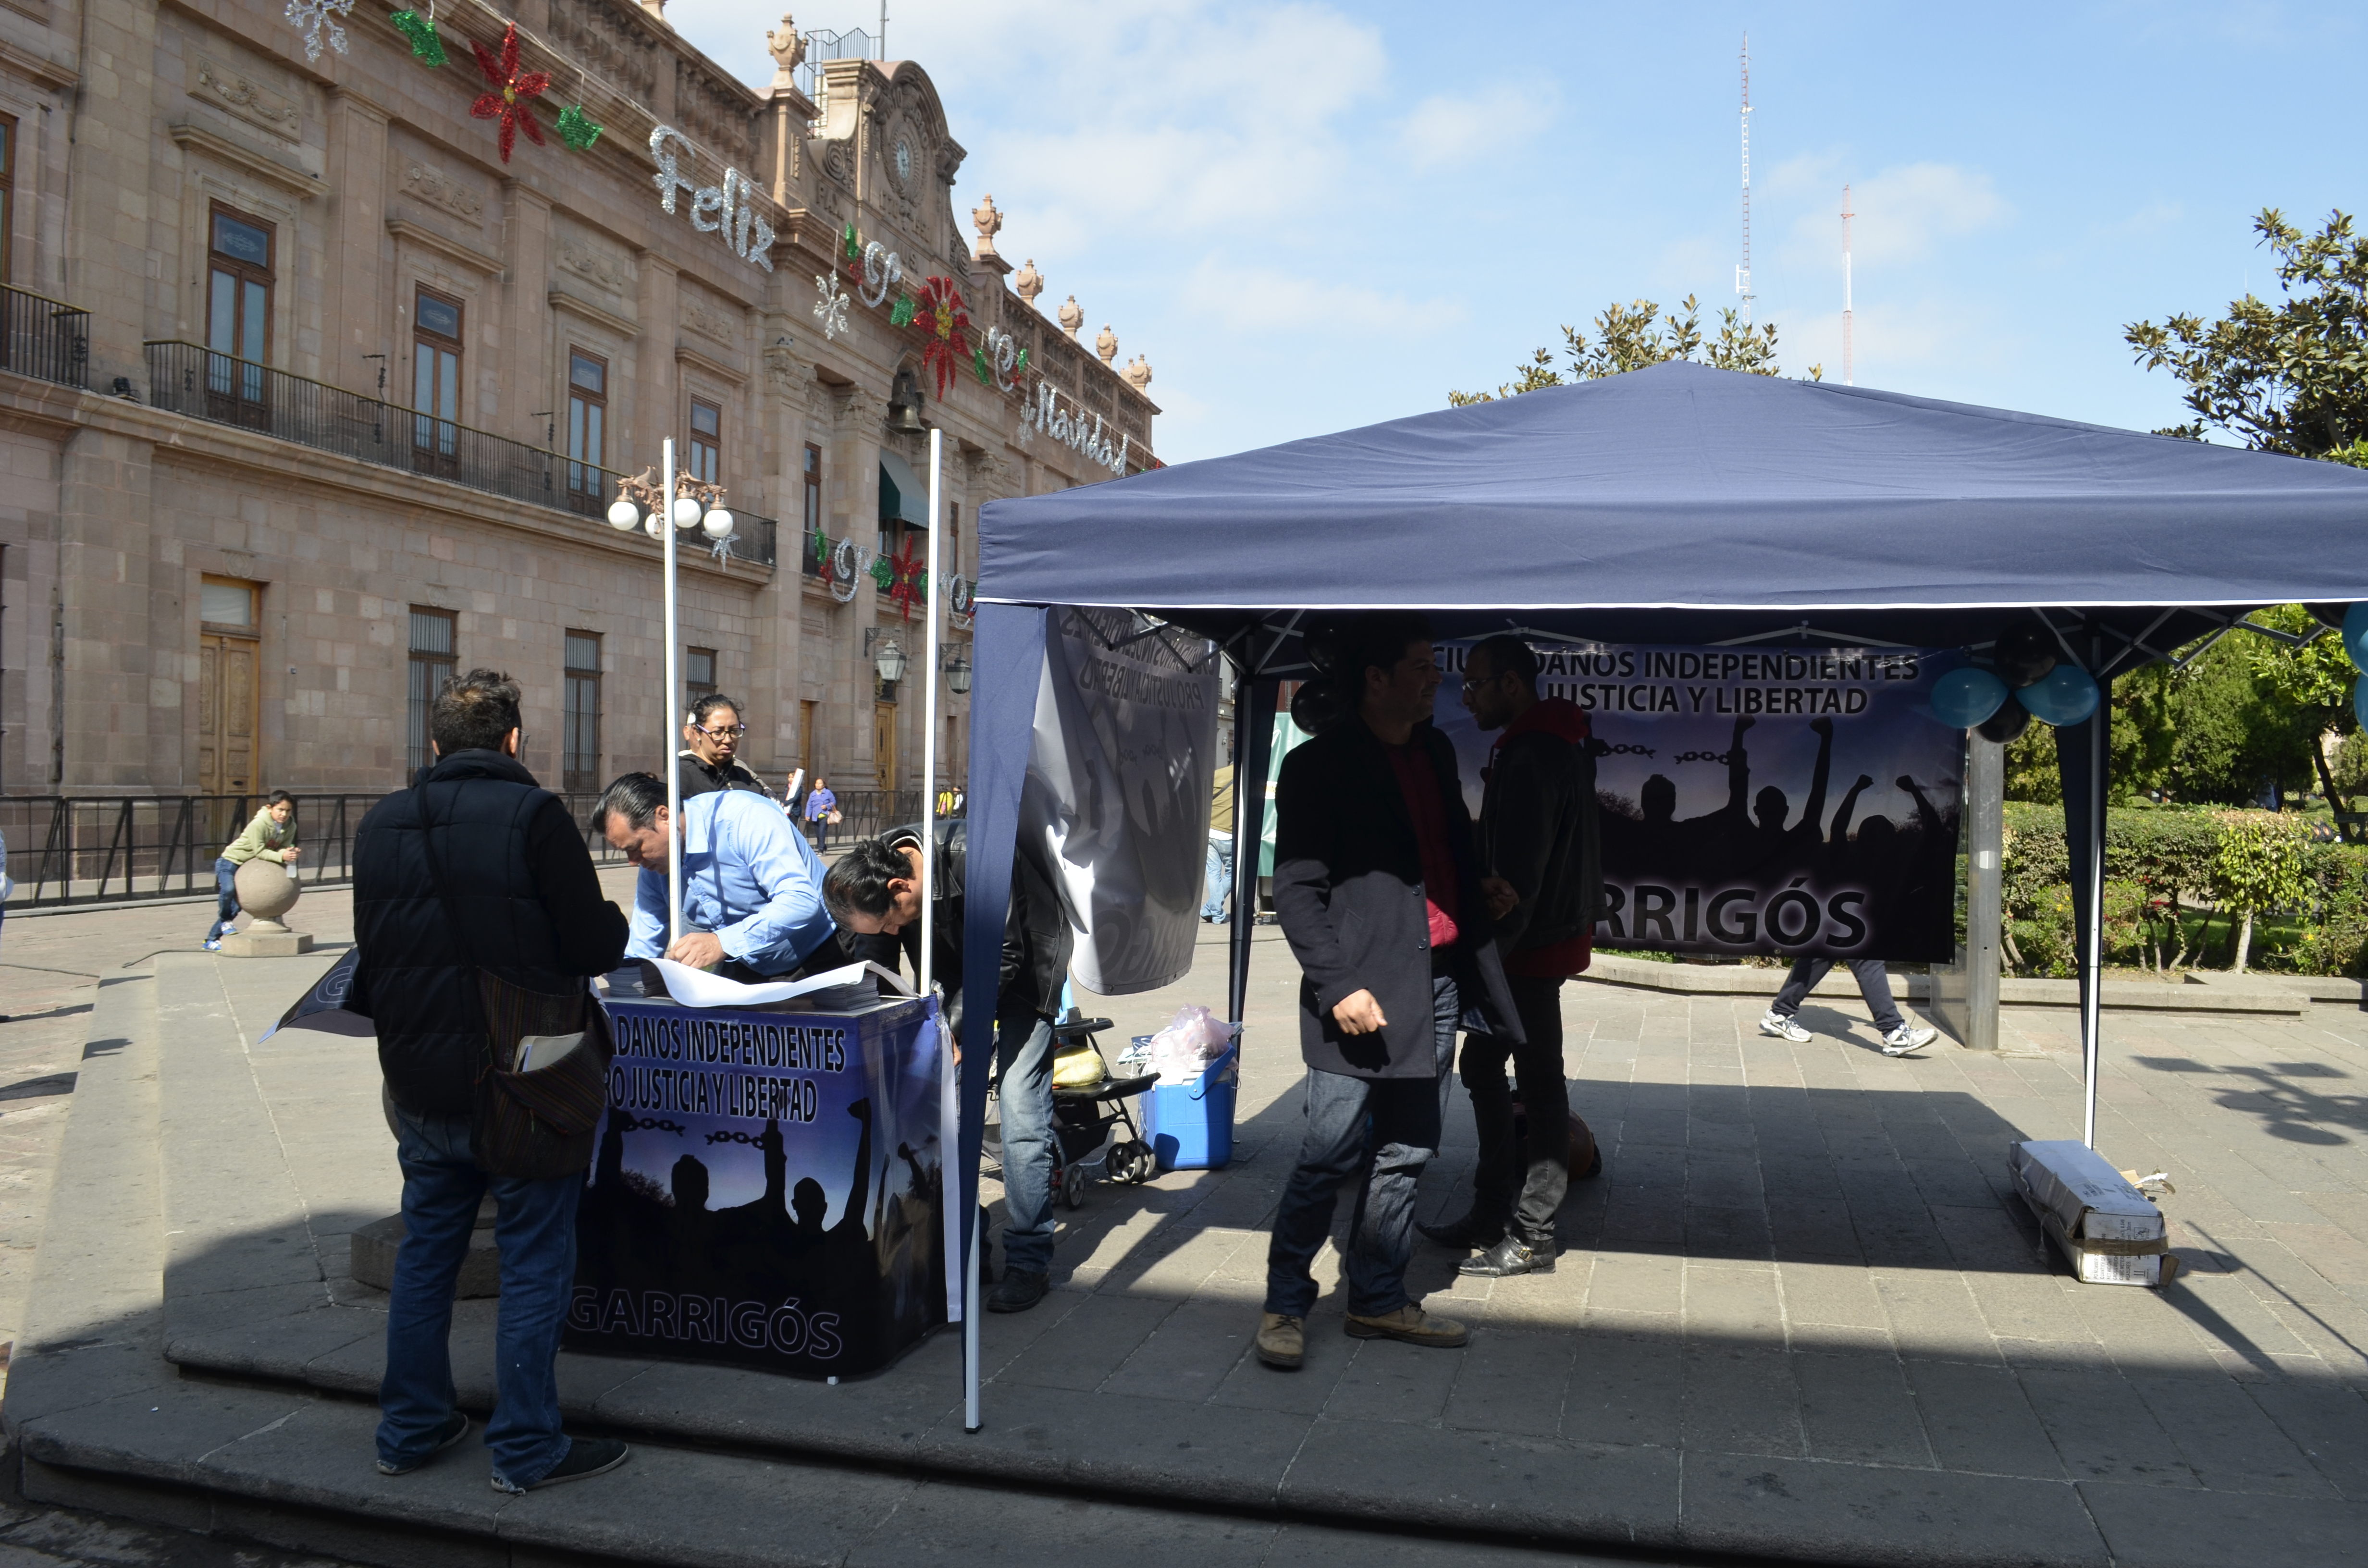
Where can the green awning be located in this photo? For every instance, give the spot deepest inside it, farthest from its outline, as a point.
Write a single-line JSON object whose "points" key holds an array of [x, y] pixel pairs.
{"points": [[902, 493]]}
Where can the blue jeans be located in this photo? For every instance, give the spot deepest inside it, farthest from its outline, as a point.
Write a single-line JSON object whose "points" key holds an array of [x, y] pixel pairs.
{"points": [[535, 1233], [1023, 1047], [226, 895], [1221, 879], [1873, 983], [1402, 1117]]}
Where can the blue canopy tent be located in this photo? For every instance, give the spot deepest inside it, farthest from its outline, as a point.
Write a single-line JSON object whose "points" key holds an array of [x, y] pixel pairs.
{"points": [[1676, 503]]}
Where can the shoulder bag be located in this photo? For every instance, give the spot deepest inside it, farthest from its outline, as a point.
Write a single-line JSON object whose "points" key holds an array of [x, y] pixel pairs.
{"points": [[538, 1123]]}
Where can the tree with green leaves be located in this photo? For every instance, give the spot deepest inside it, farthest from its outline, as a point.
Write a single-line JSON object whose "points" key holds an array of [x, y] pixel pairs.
{"points": [[2311, 678], [2290, 377], [1631, 336]]}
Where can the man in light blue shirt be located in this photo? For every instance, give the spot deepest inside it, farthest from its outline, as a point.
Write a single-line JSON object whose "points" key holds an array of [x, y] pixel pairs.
{"points": [[751, 884]]}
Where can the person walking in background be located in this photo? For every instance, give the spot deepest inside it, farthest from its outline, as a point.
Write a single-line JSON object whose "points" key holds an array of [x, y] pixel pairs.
{"points": [[1377, 885], [1900, 1036], [821, 810], [1541, 839], [709, 759], [1220, 846], [272, 835], [475, 869]]}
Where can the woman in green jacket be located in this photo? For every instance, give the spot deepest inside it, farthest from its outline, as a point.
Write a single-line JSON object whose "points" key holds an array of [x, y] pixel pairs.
{"points": [[272, 835]]}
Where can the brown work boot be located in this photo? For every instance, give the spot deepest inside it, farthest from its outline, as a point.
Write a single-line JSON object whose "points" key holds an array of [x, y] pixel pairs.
{"points": [[1412, 1324], [1281, 1341]]}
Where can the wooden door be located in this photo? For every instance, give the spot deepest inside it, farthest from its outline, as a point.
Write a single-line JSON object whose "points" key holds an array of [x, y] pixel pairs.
{"points": [[883, 744], [227, 711]]}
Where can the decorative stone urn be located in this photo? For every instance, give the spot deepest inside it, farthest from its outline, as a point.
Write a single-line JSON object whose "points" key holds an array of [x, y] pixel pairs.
{"points": [[1071, 317], [1107, 344], [1137, 373], [990, 223], [1027, 283], [266, 891]]}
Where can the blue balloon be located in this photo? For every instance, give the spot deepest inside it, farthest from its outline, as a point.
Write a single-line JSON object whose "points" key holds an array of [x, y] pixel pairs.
{"points": [[2066, 695], [1964, 698], [2355, 634]]}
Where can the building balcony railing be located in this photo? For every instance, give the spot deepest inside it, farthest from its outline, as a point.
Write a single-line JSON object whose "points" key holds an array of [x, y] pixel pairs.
{"points": [[43, 337], [187, 378]]}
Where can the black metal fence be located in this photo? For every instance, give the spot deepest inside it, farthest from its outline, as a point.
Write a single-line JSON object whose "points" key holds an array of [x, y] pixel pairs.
{"points": [[45, 337], [64, 849], [187, 378]]}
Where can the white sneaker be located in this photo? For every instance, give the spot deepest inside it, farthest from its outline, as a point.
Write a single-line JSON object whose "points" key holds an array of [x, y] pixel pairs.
{"points": [[1782, 1028], [1906, 1040]]}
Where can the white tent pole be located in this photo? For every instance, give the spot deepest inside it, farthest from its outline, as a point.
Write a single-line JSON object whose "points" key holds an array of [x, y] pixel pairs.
{"points": [[672, 744], [2093, 929], [929, 727]]}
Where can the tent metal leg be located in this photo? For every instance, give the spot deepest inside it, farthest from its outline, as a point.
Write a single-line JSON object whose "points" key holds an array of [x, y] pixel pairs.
{"points": [[1254, 705], [2093, 924], [970, 1421]]}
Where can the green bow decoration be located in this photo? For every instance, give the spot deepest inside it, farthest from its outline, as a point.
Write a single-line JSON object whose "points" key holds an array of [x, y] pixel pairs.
{"points": [[978, 363], [575, 127], [846, 242], [902, 313]]}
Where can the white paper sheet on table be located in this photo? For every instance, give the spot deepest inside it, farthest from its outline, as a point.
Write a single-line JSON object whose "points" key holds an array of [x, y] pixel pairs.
{"points": [[697, 988]]}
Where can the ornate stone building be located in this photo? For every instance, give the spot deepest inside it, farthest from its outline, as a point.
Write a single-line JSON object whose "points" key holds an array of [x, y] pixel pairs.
{"points": [[308, 394]]}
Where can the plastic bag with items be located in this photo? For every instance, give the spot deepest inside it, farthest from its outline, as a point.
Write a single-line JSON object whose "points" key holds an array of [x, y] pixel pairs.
{"points": [[1183, 1050]]}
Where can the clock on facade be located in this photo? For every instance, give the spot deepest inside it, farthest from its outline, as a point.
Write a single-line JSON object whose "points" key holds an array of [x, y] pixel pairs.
{"points": [[904, 156]]}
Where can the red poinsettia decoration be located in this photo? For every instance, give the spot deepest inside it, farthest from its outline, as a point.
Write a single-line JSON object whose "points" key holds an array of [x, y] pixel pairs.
{"points": [[912, 580], [512, 88], [942, 317]]}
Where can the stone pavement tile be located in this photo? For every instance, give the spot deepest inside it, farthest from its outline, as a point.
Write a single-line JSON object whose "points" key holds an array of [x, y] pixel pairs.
{"points": [[1976, 1418], [886, 1417], [1841, 1513], [1734, 1303], [1232, 1455], [948, 1522], [1991, 1237], [1741, 1400], [2103, 1430], [278, 1347], [2211, 1530], [1636, 1282], [1386, 1381], [1183, 1268], [1302, 1392], [1727, 1234], [1446, 1478], [1830, 1295], [1319, 1545], [1644, 1221], [1859, 1408], [2332, 1252], [1514, 1382], [2328, 1421], [2140, 1329], [1933, 1313], [1813, 1228], [1535, 1302], [1188, 1355], [2026, 1304], [1723, 1181], [1095, 1335], [2221, 1307], [2230, 1441]]}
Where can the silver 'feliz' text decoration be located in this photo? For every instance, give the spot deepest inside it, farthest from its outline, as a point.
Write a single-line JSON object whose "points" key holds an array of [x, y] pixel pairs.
{"points": [[723, 209]]}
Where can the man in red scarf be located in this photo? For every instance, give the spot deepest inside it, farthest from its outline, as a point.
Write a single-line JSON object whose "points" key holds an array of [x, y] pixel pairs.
{"points": [[1539, 839]]}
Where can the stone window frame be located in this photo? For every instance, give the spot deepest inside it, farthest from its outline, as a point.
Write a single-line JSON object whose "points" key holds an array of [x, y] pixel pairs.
{"points": [[809, 519], [579, 680], [12, 149], [421, 683], [711, 471], [423, 423], [205, 185], [586, 493]]}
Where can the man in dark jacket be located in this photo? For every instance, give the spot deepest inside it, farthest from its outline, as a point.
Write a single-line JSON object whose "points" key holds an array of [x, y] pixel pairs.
{"points": [[1377, 886], [476, 867], [1541, 838], [874, 892]]}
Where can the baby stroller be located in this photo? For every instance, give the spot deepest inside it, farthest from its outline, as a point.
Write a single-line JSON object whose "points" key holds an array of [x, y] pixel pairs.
{"points": [[1089, 1112]]}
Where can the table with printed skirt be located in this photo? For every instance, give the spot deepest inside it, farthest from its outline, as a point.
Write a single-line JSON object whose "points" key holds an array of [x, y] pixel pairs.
{"points": [[767, 1188]]}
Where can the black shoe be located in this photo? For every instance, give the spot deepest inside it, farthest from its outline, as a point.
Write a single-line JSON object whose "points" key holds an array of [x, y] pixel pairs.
{"points": [[455, 1427], [586, 1457], [1019, 1290], [1470, 1234], [1510, 1255]]}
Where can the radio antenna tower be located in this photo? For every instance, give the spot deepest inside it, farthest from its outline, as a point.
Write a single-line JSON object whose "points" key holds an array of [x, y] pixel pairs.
{"points": [[1848, 378], [1743, 272]]}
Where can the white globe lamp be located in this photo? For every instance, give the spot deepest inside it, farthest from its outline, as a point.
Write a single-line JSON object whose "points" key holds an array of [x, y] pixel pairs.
{"points": [[624, 516], [718, 524], [686, 511]]}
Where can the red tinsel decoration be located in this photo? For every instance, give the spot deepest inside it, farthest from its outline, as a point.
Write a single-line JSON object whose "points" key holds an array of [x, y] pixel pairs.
{"points": [[512, 88], [912, 579], [942, 317]]}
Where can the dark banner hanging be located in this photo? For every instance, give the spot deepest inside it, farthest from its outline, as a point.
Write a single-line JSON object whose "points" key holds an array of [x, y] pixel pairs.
{"points": [[768, 1190], [1801, 801]]}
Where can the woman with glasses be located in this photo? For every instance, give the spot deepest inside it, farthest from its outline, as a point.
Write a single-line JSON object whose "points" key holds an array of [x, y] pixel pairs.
{"points": [[709, 759]]}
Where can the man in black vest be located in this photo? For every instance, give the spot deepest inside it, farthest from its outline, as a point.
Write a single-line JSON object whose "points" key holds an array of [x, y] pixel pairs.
{"points": [[475, 869], [1377, 887]]}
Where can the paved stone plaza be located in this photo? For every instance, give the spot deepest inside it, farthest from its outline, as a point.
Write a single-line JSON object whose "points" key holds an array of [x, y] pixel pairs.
{"points": [[1799, 1315]]}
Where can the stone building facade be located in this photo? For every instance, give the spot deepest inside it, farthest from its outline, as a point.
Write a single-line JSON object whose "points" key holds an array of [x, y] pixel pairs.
{"points": [[353, 391]]}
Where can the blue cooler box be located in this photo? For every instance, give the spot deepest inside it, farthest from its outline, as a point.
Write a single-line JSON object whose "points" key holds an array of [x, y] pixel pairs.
{"points": [[1190, 1126]]}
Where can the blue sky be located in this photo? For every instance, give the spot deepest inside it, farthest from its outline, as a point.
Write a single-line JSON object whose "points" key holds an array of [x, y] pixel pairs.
{"points": [[1312, 217]]}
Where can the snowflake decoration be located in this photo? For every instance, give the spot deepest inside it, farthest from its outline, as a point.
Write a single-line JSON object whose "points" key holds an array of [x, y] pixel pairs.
{"points": [[512, 88], [830, 305], [310, 16]]}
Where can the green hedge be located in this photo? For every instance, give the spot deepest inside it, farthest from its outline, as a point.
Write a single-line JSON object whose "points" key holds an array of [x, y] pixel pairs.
{"points": [[2161, 865]]}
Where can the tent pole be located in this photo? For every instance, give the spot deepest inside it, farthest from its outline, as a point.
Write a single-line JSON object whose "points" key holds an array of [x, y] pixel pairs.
{"points": [[2092, 927], [929, 726], [971, 1418], [667, 761], [1253, 733]]}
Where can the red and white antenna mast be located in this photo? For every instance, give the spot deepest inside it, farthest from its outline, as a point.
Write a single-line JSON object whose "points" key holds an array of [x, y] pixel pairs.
{"points": [[1743, 272], [1848, 369]]}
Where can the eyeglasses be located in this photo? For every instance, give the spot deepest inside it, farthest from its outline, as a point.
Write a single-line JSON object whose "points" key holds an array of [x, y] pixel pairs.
{"points": [[720, 731], [1474, 683]]}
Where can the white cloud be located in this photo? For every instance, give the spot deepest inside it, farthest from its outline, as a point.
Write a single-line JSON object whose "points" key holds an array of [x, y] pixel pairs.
{"points": [[1445, 131], [1307, 306], [1903, 213]]}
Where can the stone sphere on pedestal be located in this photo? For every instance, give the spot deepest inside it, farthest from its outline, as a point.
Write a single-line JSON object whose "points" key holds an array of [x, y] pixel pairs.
{"points": [[266, 890]]}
